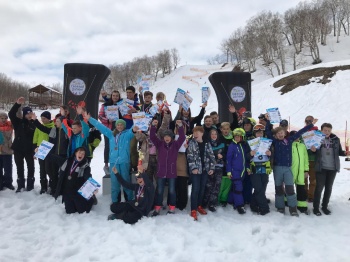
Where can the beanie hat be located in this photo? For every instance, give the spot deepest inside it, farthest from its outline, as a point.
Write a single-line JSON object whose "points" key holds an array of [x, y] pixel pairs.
{"points": [[46, 114], [120, 121], [26, 110], [168, 132], [3, 114]]}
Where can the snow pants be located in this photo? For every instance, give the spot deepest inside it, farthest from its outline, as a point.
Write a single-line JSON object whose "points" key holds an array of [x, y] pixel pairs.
{"points": [[283, 176], [124, 171]]}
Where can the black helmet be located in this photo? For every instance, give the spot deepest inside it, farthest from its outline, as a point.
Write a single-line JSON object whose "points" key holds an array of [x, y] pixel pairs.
{"points": [[247, 114]]}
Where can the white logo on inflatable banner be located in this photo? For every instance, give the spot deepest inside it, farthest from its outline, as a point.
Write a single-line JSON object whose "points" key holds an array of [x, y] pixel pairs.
{"points": [[77, 87], [237, 94]]}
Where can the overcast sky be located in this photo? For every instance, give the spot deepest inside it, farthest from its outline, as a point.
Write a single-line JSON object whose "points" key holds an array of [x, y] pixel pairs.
{"points": [[39, 36]]}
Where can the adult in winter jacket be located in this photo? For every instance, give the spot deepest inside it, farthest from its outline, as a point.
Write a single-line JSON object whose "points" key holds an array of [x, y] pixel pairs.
{"points": [[167, 156], [23, 144], [133, 210], [58, 153], [300, 169], [237, 167], [39, 136], [6, 131], [119, 153], [201, 163], [282, 166], [327, 165], [74, 172]]}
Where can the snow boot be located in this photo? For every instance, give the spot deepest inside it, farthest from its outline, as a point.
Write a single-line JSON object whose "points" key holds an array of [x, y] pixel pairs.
{"points": [[20, 184], [171, 210], [293, 211], [30, 183], [201, 210], [43, 183], [241, 210], [194, 215], [317, 212], [281, 210], [326, 211], [212, 209], [303, 210], [156, 211]]}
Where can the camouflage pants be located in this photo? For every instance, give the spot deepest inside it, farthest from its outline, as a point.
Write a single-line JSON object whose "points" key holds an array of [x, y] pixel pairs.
{"points": [[212, 188]]}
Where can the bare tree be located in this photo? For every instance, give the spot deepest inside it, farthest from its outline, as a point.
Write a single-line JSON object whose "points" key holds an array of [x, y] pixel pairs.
{"points": [[175, 56]]}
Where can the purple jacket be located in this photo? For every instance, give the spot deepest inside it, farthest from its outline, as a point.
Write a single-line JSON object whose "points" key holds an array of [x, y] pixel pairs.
{"points": [[167, 153]]}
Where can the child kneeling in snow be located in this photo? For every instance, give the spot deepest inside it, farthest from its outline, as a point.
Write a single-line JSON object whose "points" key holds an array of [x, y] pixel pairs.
{"points": [[74, 172], [132, 211]]}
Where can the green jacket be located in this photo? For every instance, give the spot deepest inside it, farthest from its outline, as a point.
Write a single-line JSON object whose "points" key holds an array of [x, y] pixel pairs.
{"points": [[40, 136], [300, 162]]}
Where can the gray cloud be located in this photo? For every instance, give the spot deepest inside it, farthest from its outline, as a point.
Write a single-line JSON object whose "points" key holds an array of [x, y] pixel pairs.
{"points": [[38, 37]]}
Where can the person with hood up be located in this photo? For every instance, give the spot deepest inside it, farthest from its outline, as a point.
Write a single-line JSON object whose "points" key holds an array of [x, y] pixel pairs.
{"points": [[6, 130]]}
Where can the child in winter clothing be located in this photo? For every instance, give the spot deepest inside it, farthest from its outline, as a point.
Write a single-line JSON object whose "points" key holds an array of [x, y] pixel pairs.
{"points": [[237, 165], [23, 144], [38, 137], [58, 153], [300, 169], [201, 162], [72, 175], [133, 210], [327, 165], [260, 170], [6, 131], [78, 134], [119, 154], [102, 116], [167, 155], [212, 187], [282, 166]]}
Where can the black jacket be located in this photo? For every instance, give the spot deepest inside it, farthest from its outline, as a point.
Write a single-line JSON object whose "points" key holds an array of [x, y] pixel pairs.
{"points": [[145, 202], [57, 137], [24, 131], [79, 177]]}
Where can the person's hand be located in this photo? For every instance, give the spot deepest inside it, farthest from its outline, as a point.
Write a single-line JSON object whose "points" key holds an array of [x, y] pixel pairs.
{"points": [[314, 121], [96, 192], [252, 153], [140, 168], [231, 108], [185, 145], [249, 172], [180, 108], [154, 122], [140, 89], [313, 149], [306, 174], [132, 110], [103, 93], [268, 153], [135, 129], [21, 100], [205, 104], [114, 169], [33, 116], [229, 175], [79, 110], [220, 156], [62, 112], [179, 122], [267, 116], [347, 153], [211, 172], [195, 171]]}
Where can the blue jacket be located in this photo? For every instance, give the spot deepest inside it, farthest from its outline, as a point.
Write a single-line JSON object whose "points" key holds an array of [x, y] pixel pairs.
{"points": [[283, 148], [238, 157], [118, 153]]}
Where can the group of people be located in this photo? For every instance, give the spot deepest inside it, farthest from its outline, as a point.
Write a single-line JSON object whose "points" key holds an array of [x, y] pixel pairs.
{"points": [[176, 151]]}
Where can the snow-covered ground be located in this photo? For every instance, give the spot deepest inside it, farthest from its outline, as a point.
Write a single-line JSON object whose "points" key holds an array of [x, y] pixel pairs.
{"points": [[36, 228]]}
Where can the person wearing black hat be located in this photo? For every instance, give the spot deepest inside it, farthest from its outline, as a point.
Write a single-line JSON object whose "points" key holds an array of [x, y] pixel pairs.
{"points": [[38, 138], [22, 145], [133, 210]]}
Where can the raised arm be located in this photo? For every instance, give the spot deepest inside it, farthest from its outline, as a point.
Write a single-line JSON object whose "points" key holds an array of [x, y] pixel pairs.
{"points": [[125, 183], [13, 117], [103, 129], [153, 136]]}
